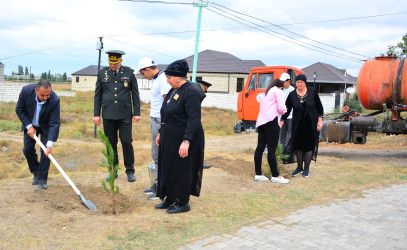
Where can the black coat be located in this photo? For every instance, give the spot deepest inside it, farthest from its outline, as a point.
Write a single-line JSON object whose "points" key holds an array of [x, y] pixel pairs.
{"points": [[117, 96], [313, 108], [197, 86], [49, 117], [178, 178]]}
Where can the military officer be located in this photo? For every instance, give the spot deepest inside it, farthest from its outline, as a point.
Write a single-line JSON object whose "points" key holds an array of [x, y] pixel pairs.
{"points": [[117, 96], [202, 88]]}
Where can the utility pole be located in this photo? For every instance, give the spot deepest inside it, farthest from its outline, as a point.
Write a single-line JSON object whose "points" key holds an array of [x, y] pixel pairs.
{"points": [[199, 4], [99, 46]]}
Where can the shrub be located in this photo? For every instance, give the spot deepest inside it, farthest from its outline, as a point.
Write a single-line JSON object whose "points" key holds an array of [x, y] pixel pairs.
{"points": [[354, 104]]}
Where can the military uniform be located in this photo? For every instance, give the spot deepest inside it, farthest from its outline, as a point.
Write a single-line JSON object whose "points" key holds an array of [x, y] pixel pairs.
{"points": [[117, 95]]}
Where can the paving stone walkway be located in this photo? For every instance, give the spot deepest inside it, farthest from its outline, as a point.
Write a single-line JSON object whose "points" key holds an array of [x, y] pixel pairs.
{"points": [[376, 221]]}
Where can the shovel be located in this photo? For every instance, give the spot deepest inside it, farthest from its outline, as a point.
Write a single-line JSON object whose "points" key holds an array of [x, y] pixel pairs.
{"points": [[87, 203]]}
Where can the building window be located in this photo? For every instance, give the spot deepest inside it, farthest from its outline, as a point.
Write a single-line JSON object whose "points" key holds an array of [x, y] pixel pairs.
{"points": [[197, 78], [77, 79], [239, 84]]}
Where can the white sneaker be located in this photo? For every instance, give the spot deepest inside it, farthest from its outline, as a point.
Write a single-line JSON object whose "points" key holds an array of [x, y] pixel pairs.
{"points": [[260, 178], [279, 179]]}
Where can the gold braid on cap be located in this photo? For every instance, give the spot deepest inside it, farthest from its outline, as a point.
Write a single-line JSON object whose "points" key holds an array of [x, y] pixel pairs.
{"points": [[113, 59]]}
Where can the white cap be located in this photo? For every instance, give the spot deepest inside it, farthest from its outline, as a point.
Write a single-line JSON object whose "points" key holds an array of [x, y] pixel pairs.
{"points": [[284, 77], [145, 62]]}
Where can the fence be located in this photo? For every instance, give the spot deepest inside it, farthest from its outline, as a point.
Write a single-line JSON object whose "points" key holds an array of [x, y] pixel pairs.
{"points": [[9, 93]]}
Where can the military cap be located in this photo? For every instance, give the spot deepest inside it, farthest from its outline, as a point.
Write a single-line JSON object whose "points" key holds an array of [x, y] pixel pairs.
{"points": [[114, 56], [206, 84]]}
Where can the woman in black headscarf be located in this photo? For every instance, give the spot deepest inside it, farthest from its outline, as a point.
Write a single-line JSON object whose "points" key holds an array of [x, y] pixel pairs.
{"points": [[181, 142], [307, 122]]}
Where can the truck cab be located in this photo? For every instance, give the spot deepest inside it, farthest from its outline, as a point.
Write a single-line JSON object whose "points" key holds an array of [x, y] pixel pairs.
{"points": [[248, 106]]}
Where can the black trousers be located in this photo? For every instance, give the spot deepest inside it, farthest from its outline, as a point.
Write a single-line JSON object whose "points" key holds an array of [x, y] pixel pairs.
{"points": [[124, 127], [39, 169], [268, 136]]}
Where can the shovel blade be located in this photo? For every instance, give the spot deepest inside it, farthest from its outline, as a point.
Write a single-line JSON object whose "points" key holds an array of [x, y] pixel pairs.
{"points": [[88, 203]]}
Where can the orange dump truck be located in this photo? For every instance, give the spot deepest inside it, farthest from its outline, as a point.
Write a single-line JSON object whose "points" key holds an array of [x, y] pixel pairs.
{"points": [[381, 86], [248, 100]]}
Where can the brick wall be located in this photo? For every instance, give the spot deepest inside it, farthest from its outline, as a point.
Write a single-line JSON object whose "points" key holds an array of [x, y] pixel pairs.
{"points": [[222, 101], [9, 93]]}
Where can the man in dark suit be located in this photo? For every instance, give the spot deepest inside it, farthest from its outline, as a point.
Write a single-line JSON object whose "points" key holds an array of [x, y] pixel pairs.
{"points": [[38, 109], [116, 94]]}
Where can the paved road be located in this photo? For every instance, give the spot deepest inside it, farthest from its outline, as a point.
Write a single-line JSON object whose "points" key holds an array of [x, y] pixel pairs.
{"points": [[377, 221]]}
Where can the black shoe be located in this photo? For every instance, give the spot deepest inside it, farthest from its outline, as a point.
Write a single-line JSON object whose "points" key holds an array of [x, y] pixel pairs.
{"points": [[151, 189], [288, 161], [35, 180], [305, 174], [176, 209], [108, 177], [164, 204], [42, 186], [152, 196], [131, 178], [297, 171], [206, 166]]}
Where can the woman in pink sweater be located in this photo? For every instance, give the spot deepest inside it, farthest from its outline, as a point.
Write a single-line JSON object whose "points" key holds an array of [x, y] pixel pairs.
{"points": [[272, 106]]}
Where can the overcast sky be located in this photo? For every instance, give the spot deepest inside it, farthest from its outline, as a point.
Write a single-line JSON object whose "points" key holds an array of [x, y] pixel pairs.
{"points": [[61, 36]]}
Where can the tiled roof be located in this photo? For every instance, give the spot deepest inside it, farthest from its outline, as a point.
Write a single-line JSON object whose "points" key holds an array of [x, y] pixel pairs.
{"points": [[211, 61], [327, 73], [91, 70]]}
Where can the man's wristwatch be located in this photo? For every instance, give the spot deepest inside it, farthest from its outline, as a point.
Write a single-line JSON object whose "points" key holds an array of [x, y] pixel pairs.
{"points": [[185, 141]]}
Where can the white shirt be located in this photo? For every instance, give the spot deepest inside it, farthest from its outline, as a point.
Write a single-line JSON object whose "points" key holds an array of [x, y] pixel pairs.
{"points": [[36, 117], [286, 93], [159, 87]]}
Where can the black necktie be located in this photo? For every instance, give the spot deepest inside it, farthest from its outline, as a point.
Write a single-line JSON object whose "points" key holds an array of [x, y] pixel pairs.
{"points": [[114, 73]]}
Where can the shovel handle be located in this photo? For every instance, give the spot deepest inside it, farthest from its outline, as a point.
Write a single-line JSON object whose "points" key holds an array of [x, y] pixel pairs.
{"points": [[58, 166]]}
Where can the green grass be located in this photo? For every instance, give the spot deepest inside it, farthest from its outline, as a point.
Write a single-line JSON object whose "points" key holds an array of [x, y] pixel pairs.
{"points": [[77, 115], [229, 202]]}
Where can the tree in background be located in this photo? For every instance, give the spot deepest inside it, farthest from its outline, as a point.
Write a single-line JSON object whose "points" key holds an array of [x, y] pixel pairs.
{"points": [[49, 74], [44, 76], [20, 70], [26, 71], [398, 50], [64, 76]]}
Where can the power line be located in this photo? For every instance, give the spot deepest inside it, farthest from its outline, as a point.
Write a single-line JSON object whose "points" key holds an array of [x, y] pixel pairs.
{"points": [[350, 52], [345, 19], [261, 26], [210, 30], [145, 1], [152, 51], [286, 39], [56, 47]]}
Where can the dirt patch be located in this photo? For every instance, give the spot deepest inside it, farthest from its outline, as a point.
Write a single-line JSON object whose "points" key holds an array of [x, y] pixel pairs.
{"points": [[59, 200], [56, 218]]}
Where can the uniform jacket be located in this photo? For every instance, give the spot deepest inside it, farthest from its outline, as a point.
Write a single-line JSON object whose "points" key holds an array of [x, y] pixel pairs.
{"points": [[201, 93], [49, 117], [117, 97]]}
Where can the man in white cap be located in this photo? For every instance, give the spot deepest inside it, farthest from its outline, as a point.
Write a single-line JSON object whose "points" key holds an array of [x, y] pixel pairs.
{"points": [[159, 89], [285, 133]]}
